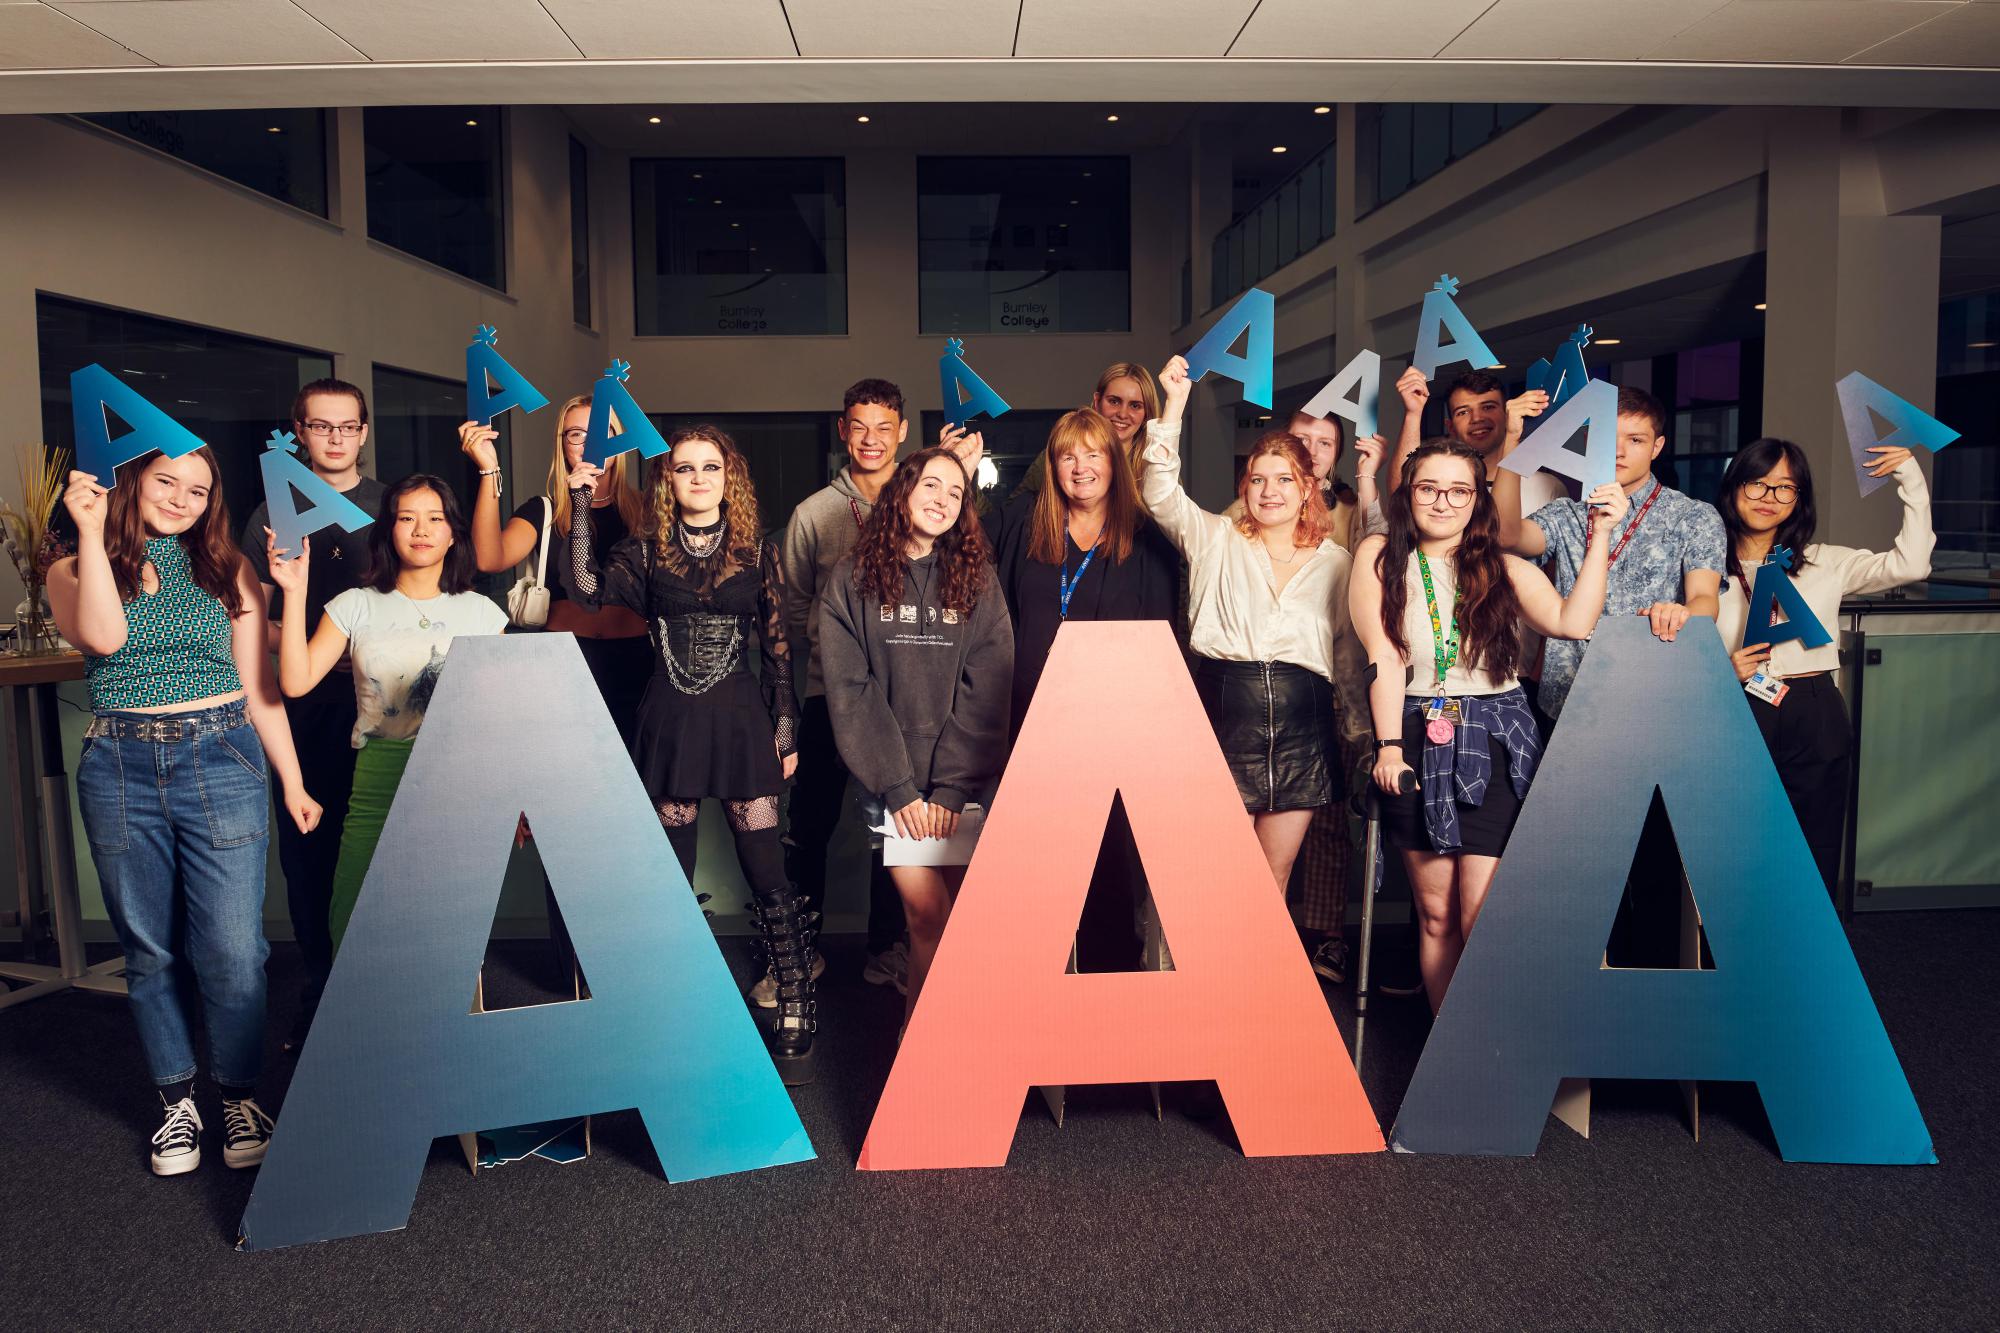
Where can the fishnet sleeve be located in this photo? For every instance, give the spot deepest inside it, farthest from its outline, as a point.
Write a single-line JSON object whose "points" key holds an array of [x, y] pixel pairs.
{"points": [[622, 581], [779, 695]]}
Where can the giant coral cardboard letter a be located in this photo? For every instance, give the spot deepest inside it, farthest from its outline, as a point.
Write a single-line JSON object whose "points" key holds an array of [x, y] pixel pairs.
{"points": [[999, 1014]]}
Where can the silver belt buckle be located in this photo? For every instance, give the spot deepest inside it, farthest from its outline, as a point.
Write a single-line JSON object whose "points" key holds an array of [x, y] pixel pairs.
{"points": [[166, 731]]}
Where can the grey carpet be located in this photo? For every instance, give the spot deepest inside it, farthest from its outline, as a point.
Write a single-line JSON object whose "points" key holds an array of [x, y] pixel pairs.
{"points": [[1113, 1221]]}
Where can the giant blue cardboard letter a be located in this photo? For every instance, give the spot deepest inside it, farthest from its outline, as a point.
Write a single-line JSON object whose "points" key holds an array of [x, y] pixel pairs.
{"points": [[1784, 1008], [395, 1059]]}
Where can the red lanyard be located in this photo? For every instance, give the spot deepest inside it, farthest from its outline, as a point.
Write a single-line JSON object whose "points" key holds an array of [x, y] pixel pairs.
{"points": [[1637, 519], [854, 508]]}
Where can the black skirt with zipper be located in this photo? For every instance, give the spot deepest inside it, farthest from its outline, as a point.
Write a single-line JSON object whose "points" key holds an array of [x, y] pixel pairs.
{"points": [[1274, 721]]}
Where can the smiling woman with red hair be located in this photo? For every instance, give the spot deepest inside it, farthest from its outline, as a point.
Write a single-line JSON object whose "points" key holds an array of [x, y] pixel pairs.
{"points": [[1267, 622]]}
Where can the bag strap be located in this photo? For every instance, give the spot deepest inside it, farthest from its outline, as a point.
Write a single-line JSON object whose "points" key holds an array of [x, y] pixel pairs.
{"points": [[542, 564]]}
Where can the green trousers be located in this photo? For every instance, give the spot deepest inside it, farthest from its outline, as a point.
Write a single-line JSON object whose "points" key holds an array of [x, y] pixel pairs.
{"points": [[378, 771]]}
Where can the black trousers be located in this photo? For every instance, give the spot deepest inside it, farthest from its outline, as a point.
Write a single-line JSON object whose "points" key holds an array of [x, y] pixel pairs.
{"points": [[1810, 739], [322, 732], [819, 794]]}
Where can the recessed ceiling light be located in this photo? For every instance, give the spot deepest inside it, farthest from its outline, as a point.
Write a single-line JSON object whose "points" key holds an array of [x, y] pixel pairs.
{"points": [[472, 122], [1072, 203], [715, 201], [735, 224], [1607, 342], [697, 175], [861, 120], [1760, 305], [275, 129], [1277, 148], [1984, 344], [1321, 110], [1111, 117], [652, 120]]}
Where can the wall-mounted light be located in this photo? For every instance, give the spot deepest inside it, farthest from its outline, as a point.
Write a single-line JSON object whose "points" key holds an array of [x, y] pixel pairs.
{"points": [[1984, 344], [1760, 305], [1607, 342]]}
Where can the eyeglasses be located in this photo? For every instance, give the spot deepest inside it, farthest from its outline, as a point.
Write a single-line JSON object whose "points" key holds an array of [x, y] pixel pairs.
{"points": [[1458, 497], [321, 430], [575, 436], [1783, 492]]}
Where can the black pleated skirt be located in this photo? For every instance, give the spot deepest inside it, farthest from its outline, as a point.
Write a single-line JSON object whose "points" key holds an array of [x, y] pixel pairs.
{"points": [[1275, 722], [718, 743]]}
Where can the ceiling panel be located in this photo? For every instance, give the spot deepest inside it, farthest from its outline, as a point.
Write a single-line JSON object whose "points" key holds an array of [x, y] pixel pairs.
{"points": [[1968, 35], [666, 29], [33, 36], [894, 29], [214, 32], [1561, 30], [1356, 29], [1117, 29], [1797, 31], [442, 29]]}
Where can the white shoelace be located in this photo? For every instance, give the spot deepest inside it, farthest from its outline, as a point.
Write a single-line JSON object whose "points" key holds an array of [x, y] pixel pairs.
{"points": [[244, 1120], [183, 1125]]}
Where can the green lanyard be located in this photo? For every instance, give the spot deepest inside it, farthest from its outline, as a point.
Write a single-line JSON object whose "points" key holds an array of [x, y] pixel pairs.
{"points": [[1445, 650]]}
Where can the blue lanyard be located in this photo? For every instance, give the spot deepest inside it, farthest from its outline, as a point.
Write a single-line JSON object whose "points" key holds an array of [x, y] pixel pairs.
{"points": [[1069, 584]]}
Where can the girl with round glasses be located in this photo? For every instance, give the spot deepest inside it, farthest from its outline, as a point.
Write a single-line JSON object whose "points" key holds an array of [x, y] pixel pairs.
{"points": [[1766, 499], [1438, 604]]}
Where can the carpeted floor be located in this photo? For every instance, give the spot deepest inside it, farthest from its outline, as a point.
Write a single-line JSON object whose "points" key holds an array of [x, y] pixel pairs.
{"points": [[1114, 1220]]}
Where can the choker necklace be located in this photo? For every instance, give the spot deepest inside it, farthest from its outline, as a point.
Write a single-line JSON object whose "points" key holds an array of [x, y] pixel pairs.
{"points": [[701, 543]]}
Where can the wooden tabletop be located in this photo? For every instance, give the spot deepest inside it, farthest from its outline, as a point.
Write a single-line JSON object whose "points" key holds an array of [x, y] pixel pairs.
{"points": [[41, 669]]}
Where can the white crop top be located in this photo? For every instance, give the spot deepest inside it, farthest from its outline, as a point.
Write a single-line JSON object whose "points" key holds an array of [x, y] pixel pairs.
{"points": [[1423, 644]]}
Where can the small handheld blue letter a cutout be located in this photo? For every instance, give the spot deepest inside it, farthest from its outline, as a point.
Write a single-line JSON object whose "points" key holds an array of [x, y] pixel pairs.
{"points": [[93, 389], [1256, 311]]}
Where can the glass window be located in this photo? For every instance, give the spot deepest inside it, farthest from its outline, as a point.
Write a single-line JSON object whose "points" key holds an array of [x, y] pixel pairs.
{"points": [[1965, 479], [739, 247], [1024, 245], [579, 233], [1013, 442], [1308, 203], [230, 390], [414, 428], [1288, 222], [279, 153], [1406, 143], [1471, 126], [1392, 174], [434, 186]]}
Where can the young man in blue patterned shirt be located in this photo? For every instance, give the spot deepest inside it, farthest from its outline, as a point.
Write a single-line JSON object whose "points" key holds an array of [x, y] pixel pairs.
{"points": [[1666, 558]]}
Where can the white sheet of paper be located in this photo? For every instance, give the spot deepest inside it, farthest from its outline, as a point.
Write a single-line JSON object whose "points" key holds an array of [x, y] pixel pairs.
{"points": [[956, 850]]}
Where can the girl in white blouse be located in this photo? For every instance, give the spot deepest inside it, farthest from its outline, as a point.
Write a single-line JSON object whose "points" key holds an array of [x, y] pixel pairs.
{"points": [[1766, 499], [1267, 599]]}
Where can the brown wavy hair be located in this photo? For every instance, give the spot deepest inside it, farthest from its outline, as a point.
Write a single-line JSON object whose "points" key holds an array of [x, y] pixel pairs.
{"points": [[630, 507], [1487, 610], [1315, 523], [881, 555], [1048, 525], [742, 531], [213, 557]]}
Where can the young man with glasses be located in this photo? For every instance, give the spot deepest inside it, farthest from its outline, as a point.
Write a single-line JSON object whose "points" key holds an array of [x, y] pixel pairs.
{"points": [[821, 533], [330, 417]]}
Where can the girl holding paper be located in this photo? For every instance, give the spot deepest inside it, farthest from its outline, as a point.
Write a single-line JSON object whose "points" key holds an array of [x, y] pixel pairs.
{"points": [[1766, 500], [702, 579], [172, 782], [918, 653], [1267, 622], [397, 624], [1438, 604]]}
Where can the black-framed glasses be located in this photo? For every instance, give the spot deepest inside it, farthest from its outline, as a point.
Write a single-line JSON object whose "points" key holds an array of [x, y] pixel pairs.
{"points": [[321, 430], [1784, 492], [1424, 492]]}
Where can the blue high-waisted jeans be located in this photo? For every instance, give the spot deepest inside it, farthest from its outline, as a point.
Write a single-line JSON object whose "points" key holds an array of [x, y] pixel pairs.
{"points": [[177, 810]]}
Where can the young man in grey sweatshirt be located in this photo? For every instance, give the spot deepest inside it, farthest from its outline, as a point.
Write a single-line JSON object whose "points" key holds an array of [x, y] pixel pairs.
{"points": [[822, 531]]}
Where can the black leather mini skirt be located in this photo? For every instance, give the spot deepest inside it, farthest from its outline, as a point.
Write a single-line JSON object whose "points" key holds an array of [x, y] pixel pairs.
{"points": [[1275, 723]]}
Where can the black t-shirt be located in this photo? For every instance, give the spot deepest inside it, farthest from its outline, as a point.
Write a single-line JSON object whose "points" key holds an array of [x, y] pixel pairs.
{"points": [[607, 529], [339, 559]]}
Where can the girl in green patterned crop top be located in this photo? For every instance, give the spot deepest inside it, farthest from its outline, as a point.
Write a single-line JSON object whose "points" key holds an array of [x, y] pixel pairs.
{"points": [[173, 780]]}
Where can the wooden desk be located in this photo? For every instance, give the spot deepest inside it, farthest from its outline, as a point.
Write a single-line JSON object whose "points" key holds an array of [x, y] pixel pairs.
{"points": [[47, 909]]}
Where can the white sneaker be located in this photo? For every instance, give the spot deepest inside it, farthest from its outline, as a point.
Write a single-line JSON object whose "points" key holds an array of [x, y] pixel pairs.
{"points": [[177, 1147], [891, 967], [765, 993], [246, 1133]]}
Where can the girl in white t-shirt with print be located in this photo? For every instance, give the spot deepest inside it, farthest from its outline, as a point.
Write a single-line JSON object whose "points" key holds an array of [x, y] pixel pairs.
{"points": [[398, 624]]}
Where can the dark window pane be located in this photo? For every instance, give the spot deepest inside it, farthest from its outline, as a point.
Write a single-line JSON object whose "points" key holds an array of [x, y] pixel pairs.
{"points": [[1393, 163], [230, 390], [1218, 269], [1013, 442], [791, 454], [579, 233], [1308, 203], [739, 246], [1471, 126], [1288, 222], [434, 185], [1327, 181], [1511, 114], [1431, 140], [279, 153], [1024, 245], [1267, 243]]}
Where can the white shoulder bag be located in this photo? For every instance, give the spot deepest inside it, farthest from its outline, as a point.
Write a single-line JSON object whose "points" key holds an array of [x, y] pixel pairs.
{"points": [[528, 599]]}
